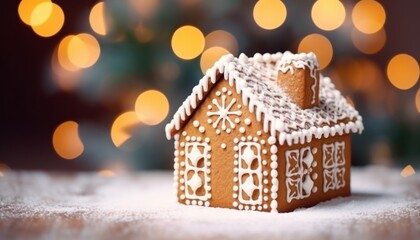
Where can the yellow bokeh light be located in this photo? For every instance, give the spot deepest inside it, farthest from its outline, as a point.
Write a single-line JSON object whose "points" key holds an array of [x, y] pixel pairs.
{"points": [[210, 56], [403, 71], [63, 56], [152, 107], [408, 171], [269, 14], [64, 79], [187, 42], [106, 173], [41, 13], [418, 100], [368, 16], [26, 7], [97, 18], [121, 129], [66, 141], [319, 45], [83, 50], [328, 15], [224, 39], [52, 24], [369, 43]]}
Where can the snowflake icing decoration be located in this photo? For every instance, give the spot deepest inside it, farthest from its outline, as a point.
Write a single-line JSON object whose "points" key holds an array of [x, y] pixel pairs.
{"points": [[224, 114]]}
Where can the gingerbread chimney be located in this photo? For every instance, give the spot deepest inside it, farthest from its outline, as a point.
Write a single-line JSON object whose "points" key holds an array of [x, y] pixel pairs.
{"points": [[298, 76]]}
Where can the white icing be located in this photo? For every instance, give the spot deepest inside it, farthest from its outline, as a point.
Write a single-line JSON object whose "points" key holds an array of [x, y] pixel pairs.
{"points": [[196, 123], [299, 183], [247, 121], [333, 162], [255, 80], [223, 145], [201, 129], [194, 153], [224, 113], [241, 129]]}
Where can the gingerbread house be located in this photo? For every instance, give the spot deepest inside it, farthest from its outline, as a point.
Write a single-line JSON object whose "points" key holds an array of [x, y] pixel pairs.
{"points": [[265, 133]]}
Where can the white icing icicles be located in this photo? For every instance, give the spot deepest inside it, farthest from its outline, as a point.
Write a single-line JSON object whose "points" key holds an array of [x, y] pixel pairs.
{"points": [[255, 80]]}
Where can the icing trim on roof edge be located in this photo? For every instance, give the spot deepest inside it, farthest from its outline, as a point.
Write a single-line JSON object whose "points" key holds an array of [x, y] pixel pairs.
{"points": [[226, 68]]}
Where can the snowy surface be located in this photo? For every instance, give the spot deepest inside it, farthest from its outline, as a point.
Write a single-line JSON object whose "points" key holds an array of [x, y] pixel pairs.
{"points": [[39, 205]]}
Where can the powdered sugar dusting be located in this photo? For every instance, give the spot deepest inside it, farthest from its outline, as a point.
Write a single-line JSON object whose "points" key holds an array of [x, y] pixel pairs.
{"points": [[142, 206]]}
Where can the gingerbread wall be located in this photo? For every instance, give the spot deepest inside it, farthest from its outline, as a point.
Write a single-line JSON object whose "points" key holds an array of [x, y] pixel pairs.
{"points": [[307, 162]]}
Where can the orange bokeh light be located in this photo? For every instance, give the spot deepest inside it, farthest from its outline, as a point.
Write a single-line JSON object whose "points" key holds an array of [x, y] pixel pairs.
{"points": [[66, 141]]}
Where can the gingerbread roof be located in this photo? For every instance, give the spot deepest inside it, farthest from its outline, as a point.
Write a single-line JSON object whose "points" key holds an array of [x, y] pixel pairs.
{"points": [[254, 79]]}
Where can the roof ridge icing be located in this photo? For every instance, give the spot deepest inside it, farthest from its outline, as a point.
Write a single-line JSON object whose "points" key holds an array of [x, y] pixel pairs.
{"points": [[282, 118]]}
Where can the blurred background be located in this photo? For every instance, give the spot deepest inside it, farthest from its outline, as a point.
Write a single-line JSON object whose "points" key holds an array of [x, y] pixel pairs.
{"points": [[90, 85]]}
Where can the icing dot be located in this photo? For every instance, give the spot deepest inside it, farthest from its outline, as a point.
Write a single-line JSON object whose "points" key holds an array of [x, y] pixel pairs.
{"points": [[265, 173], [182, 196], [207, 140], [202, 129], [271, 140], [235, 148], [235, 179], [235, 195], [236, 155], [182, 188], [176, 153], [209, 107], [217, 131], [182, 164], [249, 137], [259, 132], [242, 129], [237, 120], [184, 133], [246, 207], [274, 195], [264, 162], [241, 207], [199, 139], [182, 144], [274, 174], [262, 141], [228, 130], [218, 93], [273, 165], [235, 188], [181, 180], [314, 164], [181, 172], [188, 138], [264, 151], [266, 190], [182, 153], [235, 162], [223, 145], [193, 138], [265, 198], [207, 204], [229, 93], [224, 89], [255, 139], [196, 123], [247, 121], [194, 202], [314, 150], [208, 164], [208, 195], [265, 206], [200, 203], [314, 176], [243, 139], [314, 189], [208, 188], [273, 149], [235, 140], [209, 121], [239, 105], [259, 208], [265, 181], [273, 157], [253, 208], [208, 171], [235, 170], [235, 204]]}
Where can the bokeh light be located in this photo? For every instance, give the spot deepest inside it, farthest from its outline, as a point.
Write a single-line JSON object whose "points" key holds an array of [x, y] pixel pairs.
{"points": [[269, 14], [106, 173], [224, 39], [66, 141], [408, 171], [52, 24], [3, 169], [83, 50], [97, 18], [152, 107], [188, 42], [210, 56], [122, 126], [418, 100], [64, 79], [63, 54], [369, 43], [328, 15], [143, 34], [41, 13], [403, 71], [320, 45], [26, 7], [146, 9], [368, 16]]}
